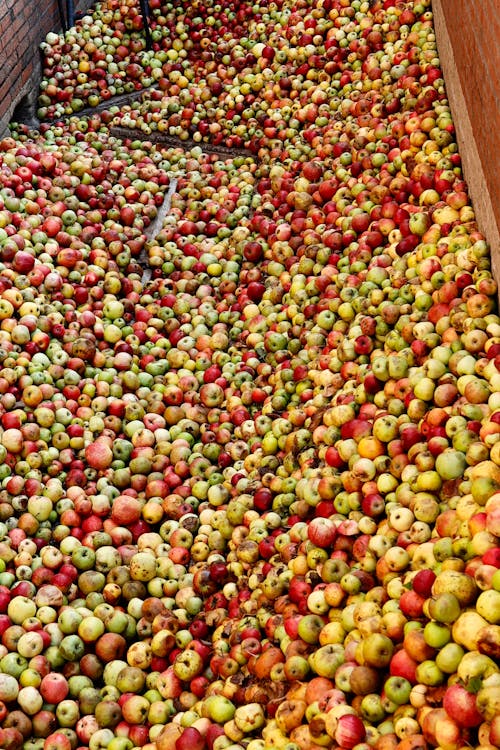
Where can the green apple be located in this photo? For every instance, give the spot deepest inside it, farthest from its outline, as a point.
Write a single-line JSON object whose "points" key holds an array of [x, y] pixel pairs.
{"points": [[218, 708], [398, 690], [449, 657], [436, 634], [428, 673], [444, 608], [377, 650], [488, 605], [309, 628]]}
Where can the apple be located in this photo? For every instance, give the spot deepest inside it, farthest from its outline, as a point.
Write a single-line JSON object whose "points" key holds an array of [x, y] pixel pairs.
{"points": [[30, 700], [190, 738], [322, 532], [54, 687], [460, 705], [402, 665], [326, 660], [449, 657], [423, 581], [309, 628], [350, 731], [9, 688], [377, 650], [219, 709], [436, 634], [397, 689], [445, 608]]}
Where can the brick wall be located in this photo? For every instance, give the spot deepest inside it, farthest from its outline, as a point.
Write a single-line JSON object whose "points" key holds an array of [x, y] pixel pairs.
{"points": [[23, 25], [468, 35]]}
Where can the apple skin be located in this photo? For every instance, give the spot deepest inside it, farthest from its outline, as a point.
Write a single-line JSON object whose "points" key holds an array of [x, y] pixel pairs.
{"points": [[492, 557], [57, 741], [397, 690], [309, 628], [411, 604], [322, 532], [416, 647], [422, 582], [11, 738], [436, 635], [449, 657], [213, 731], [364, 680], [377, 650], [402, 665], [219, 709], [461, 706], [350, 731], [190, 739], [326, 660]]}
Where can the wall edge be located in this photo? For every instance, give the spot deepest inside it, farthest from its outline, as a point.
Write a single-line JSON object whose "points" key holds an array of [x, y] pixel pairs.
{"points": [[471, 162]]}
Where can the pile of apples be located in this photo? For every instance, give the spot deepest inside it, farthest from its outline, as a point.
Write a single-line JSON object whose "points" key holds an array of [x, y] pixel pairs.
{"points": [[253, 502], [96, 59], [105, 55]]}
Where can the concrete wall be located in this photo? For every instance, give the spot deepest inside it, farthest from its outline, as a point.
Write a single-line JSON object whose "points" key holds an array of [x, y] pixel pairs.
{"points": [[23, 25], [468, 38]]}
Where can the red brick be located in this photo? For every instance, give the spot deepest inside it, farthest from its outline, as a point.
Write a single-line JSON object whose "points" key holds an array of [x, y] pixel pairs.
{"points": [[4, 91], [18, 24], [27, 73], [5, 23], [23, 25]]}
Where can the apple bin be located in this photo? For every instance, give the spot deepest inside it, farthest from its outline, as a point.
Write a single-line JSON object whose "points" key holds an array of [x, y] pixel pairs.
{"points": [[249, 387]]}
